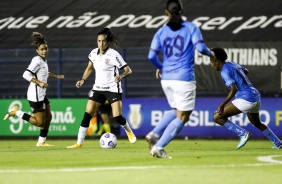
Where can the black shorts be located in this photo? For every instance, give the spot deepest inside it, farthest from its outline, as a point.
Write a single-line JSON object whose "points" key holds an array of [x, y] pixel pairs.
{"points": [[39, 106], [102, 96], [105, 109]]}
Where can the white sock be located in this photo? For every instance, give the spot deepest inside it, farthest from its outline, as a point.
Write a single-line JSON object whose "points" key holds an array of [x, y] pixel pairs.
{"points": [[126, 127], [19, 113], [41, 139], [81, 134]]}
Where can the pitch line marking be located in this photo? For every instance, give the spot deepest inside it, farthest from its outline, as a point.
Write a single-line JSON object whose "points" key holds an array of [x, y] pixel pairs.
{"points": [[128, 168], [270, 159]]}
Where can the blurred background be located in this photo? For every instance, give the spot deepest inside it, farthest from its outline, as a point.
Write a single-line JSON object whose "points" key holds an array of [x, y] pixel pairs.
{"points": [[250, 31]]}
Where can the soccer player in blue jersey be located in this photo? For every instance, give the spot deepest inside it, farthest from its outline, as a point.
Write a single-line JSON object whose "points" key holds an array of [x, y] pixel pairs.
{"points": [[177, 41], [247, 99]]}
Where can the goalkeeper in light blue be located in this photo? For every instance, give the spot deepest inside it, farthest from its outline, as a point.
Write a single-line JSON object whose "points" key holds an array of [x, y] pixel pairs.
{"points": [[177, 41]]}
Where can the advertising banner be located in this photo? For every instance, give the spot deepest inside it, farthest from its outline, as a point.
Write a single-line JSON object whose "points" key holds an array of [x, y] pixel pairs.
{"points": [[262, 59], [67, 115], [74, 23], [143, 114], [250, 31]]}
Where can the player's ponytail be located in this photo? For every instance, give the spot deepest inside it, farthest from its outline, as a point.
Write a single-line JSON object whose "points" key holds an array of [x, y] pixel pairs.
{"points": [[37, 39], [175, 8], [111, 38]]}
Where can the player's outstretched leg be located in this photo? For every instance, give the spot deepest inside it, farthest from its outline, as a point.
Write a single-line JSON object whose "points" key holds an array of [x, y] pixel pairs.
{"points": [[131, 137], [159, 153], [151, 139], [12, 112], [244, 139]]}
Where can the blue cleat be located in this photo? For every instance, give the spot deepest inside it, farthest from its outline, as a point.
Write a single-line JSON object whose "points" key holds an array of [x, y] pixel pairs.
{"points": [[244, 139], [277, 147]]}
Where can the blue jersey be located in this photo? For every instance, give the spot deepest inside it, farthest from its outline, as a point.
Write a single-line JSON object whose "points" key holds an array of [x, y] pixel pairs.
{"points": [[233, 73], [177, 49]]}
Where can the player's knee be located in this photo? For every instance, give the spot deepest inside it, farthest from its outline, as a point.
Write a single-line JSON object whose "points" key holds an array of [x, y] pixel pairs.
{"points": [[216, 118], [39, 122]]}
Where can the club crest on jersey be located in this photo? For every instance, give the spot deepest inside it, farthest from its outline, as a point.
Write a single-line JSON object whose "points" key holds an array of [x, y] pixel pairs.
{"points": [[107, 61]]}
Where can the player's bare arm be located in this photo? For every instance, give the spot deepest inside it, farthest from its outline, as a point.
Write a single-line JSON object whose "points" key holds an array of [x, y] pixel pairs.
{"points": [[158, 74], [52, 75], [86, 74], [127, 71], [232, 92], [39, 83]]}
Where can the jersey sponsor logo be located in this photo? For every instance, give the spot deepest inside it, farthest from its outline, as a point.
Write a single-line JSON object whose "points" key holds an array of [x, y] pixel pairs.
{"points": [[171, 71], [118, 62], [98, 87]]}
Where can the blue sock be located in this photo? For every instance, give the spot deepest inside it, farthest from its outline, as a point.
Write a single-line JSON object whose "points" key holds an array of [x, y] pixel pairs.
{"points": [[166, 119], [271, 136], [170, 132], [235, 128]]}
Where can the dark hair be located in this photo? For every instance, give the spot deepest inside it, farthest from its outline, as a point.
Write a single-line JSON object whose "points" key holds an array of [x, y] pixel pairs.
{"points": [[175, 8], [37, 39], [111, 38], [219, 53]]}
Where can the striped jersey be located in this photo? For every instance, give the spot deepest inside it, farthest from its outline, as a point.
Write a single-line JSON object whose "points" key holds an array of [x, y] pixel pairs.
{"points": [[38, 68], [232, 73], [106, 68]]}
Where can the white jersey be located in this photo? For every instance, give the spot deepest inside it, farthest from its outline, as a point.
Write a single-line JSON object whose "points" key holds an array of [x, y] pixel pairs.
{"points": [[106, 68], [38, 69]]}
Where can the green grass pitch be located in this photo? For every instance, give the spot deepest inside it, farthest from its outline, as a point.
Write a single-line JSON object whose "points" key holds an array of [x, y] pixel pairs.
{"points": [[193, 161]]}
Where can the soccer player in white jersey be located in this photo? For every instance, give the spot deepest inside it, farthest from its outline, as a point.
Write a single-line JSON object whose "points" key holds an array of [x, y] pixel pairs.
{"points": [[247, 99], [37, 74], [106, 62], [177, 41]]}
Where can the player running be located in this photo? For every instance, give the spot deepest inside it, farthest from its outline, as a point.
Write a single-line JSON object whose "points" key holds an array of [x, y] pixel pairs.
{"points": [[177, 41], [106, 62], [247, 99], [37, 74]]}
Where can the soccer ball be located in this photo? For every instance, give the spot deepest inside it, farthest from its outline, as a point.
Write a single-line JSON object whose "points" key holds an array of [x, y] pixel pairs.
{"points": [[108, 140]]}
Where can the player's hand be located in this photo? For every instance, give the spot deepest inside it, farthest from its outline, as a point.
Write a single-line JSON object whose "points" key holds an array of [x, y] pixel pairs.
{"points": [[79, 83], [118, 78], [60, 76], [158, 74], [212, 55], [43, 84]]}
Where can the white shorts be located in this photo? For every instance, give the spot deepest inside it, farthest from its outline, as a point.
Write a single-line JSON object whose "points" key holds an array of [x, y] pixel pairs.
{"points": [[246, 106], [180, 94]]}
